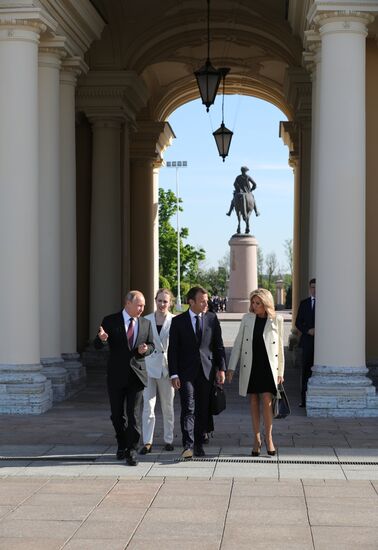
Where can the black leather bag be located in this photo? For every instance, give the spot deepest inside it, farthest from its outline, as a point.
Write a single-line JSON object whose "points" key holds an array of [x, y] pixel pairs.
{"points": [[217, 399], [280, 403]]}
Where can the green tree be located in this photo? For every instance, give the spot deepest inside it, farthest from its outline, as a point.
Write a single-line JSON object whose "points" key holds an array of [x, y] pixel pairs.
{"points": [[260, 267], [271, 265], [189, 255]]}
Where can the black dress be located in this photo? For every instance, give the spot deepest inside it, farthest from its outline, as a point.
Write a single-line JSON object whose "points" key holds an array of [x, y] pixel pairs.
{"points": [[261, 379]]}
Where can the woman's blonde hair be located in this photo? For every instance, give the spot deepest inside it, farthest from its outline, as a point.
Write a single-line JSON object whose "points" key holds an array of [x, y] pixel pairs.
{"points": [[267, 301]]}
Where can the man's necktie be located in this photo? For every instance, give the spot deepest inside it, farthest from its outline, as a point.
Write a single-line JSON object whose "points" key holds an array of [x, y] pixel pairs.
{"points": [[130, 333], [198, 329]]}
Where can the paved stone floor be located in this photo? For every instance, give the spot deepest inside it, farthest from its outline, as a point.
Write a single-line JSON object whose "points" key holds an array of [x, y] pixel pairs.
{"points": [[61, 487]]}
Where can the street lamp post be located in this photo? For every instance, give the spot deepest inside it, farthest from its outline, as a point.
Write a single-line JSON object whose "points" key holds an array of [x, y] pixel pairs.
{"points": [[178, 164]]}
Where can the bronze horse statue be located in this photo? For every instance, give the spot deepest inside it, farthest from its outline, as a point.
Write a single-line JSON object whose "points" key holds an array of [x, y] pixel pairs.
{"points": [[244, 205]]}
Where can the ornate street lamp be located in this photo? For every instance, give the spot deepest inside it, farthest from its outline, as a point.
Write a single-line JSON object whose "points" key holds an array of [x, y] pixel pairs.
{"points": [[223, 135], [208, 77]]}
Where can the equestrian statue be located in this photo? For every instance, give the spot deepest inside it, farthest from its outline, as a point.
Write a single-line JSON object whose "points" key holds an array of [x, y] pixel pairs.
{"points": [[243, 200]]}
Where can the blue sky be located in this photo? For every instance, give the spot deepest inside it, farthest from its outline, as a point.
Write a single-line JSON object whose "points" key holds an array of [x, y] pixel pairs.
{"points": [[206, 185]]}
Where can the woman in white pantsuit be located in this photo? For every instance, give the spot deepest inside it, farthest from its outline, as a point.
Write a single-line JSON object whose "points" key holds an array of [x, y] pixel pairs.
{"points": [[158, 375]]}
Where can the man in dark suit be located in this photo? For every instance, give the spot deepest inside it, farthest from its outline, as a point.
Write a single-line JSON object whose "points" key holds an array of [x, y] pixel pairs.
{"points": [[305, 323], [130, 338], [195, 356]]}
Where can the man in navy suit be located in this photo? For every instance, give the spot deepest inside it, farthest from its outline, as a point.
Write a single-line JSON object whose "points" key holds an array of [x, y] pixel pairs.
{"points": [[195, 356], [130, 338], [305, 323]]}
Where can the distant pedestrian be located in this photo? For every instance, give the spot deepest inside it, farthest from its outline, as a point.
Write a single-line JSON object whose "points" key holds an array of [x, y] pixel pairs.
{"points": [[305, 323]]}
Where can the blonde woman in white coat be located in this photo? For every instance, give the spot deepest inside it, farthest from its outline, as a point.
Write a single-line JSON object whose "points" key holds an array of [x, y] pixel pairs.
{"points": [[158, 375], [259, 348]]}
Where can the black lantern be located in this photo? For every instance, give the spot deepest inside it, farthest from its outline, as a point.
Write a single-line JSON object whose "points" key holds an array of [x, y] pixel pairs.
{"points": [[223, 135], [208, 77]]}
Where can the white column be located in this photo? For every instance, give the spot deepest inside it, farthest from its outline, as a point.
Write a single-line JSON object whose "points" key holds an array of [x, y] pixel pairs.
{"points": [[49, 221], [23, 388], [155, 198], [105, 262], [314, 58], [339, 386], [76, 371]]}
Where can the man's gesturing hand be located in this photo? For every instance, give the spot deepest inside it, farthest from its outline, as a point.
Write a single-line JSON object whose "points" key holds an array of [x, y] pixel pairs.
{"points": [[102, 335]]}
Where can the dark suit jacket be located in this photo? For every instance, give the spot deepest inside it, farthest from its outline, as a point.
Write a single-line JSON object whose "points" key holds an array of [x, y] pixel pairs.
{"points": [[185, 356], [305, 320], [125, 365]]}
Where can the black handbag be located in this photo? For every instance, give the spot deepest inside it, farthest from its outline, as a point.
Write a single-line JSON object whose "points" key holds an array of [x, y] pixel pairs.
{"points": [[280, 403], [217, 400]]}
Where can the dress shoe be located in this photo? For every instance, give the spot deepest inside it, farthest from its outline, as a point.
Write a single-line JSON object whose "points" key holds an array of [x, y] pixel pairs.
{"points": [[187, 454], [198, 451], [147, 448], [270, 453], [256, 449], [205, 439], [169, 447], [131, 459], [121, 454]]}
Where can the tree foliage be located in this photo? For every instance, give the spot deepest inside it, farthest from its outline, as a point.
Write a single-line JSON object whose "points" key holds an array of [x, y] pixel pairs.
{"points": [[189, 255]]}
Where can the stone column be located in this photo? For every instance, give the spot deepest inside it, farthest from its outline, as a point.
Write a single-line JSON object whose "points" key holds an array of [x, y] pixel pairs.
{"points": [[71, 68], [105, 261], [280, 302], [243, 272], [312, 59], [146, 151], [339, 386], [110, 101], [289, 133], [23, 387], [155, 198], [49, 220]]}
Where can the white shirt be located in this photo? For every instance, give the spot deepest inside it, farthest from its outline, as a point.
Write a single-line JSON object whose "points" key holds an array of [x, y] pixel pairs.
{"points": [[126, 318], [193, 319]]}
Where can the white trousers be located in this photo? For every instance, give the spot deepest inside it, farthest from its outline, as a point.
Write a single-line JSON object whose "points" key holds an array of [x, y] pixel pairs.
{"points": [[166, 394]]}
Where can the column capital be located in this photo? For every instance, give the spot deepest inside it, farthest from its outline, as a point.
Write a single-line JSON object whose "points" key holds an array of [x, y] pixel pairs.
{"points": [[15, 21], [335, 16], [51, 52], [289, 133], [312, 53], [106, 120], [99, 90], [150, 140]]}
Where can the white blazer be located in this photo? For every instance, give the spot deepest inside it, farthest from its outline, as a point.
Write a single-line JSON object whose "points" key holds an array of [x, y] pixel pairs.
{"points": [[157, 362], [242, 350]]}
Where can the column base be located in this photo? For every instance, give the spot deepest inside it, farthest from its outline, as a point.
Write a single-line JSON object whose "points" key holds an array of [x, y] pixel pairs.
{"points": [[76, 373], [341, 392], [24, 390], [53, 369]]}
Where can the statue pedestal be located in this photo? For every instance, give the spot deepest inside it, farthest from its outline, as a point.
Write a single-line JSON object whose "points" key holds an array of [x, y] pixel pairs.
{"points": [[243, 272]]}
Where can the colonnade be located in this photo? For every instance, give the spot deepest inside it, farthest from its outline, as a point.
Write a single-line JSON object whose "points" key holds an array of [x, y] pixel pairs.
{"points": [[38, 356], [335, 56]]}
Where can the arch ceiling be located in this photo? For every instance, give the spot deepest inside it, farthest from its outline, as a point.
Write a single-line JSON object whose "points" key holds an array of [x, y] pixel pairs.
{"points": [[165, 41]]}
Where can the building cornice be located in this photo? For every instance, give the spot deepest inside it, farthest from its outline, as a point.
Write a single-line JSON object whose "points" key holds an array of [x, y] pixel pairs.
{"points": [[99, 90], [78, 21]]}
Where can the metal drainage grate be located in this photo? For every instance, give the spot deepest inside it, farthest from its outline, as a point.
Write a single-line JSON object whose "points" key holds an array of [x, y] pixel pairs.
{"points": [[65, 458], [276, 459]]}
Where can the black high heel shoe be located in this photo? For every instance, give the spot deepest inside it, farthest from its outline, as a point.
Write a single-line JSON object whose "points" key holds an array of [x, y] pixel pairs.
{"points": [[256, 452], [270, 453], [145, 449]]}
